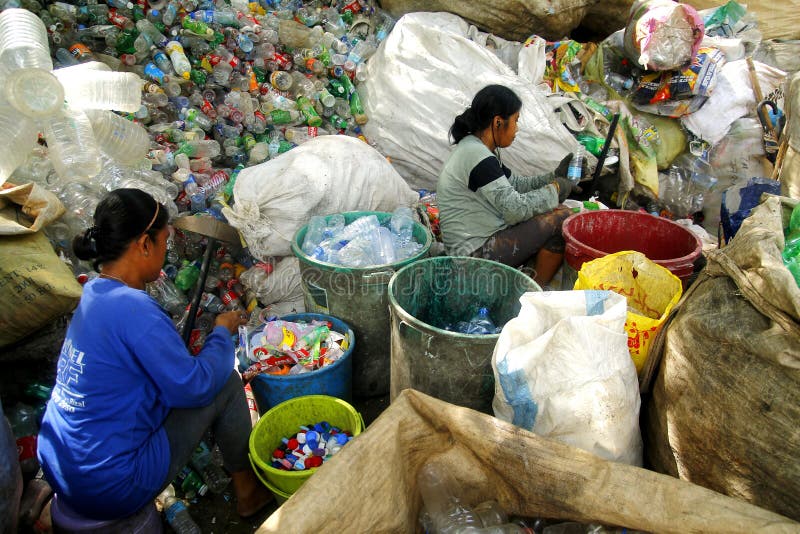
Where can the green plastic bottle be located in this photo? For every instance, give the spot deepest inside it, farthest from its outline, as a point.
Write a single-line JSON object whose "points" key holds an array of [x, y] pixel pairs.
{"points": [[187, 275], [305, 106]]}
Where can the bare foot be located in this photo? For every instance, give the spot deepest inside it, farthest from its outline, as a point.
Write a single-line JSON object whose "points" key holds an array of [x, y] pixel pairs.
{"points": [[251, 495]]}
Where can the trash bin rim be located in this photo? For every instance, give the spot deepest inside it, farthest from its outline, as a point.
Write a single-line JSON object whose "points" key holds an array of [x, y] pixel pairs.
{"points": [[569, 236], [395, 307]]}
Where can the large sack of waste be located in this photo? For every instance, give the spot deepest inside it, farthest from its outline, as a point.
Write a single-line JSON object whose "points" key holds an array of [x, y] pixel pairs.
{"points": [[424, 75], [726, 401], [36, 287], [375, 477], [329, 174], [510, 19], [776, 19], [562, 370], [790, 168]]}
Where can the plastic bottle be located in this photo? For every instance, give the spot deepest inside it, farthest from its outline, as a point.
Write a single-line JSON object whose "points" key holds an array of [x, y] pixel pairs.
{"points": [[305, 106], [121, 139], [179, 60], [72, 145], [34, 93], [23, 42], [20, 138], [212, 474], [313, 237], [481, 324], [440, 496], [359, 226], [402, 225], [575, 169], [176, 513], [92, 85], [187, 275], [619, 83], [191, 483], [167, 295]]}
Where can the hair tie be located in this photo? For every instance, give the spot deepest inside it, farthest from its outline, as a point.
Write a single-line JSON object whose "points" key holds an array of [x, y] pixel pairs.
{"points": [[90, 238]]}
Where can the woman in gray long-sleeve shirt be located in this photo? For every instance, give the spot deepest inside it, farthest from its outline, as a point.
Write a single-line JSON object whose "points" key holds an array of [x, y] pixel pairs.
{"points": [[487, 211]]}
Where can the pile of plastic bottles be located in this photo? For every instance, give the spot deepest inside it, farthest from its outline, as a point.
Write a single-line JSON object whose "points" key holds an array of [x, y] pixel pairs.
{"points": [[202, 474], [791, 250], [310, 447], [226, 84], [363, 242], [286, 347], [479, 324]]}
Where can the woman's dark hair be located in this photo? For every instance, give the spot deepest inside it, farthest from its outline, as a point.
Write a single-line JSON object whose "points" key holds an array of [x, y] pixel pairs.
{"points": [[120, 217], [489, 102]]}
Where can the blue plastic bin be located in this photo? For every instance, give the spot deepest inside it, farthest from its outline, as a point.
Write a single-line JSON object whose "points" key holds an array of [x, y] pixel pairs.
{"points": [[335, 380]]}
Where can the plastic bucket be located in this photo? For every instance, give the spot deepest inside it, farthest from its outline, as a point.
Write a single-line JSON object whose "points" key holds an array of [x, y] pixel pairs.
{"points": [[335, 380], [594, 234], [448, 365], [358, 297], [285, 420]]}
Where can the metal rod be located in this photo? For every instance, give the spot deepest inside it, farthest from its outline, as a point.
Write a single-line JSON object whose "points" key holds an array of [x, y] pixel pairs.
{"points": [[604, 152], [201, 283]]}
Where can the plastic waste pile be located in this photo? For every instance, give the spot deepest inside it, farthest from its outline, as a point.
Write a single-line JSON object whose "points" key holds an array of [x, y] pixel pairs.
{"points": [[364, 242], [672, 75], [445, 511], [479, 324], [310, 447], [202, 88], [290, 348]]}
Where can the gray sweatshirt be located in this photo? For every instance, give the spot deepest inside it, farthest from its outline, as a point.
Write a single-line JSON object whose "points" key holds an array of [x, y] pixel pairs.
{"points": [[478, 197]]}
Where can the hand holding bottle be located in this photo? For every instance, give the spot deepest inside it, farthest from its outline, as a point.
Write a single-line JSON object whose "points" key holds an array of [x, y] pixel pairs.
{"points": [[231, 320]]}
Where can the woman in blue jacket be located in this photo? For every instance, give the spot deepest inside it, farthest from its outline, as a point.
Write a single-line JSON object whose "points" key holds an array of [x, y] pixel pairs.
{"points": [[130, 402]]}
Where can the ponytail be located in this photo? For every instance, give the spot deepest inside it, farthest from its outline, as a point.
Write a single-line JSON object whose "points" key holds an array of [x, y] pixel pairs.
{"points": [[489, 102]]}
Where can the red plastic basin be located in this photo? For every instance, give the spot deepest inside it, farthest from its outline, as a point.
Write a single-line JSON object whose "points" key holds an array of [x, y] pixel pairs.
{"points": [[594, 234]]}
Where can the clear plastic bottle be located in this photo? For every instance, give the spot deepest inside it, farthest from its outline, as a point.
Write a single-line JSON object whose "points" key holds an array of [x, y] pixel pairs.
{"points": [[176, 513], [575, 169], [121, 139], [481, 324], [90, 87], [34, 93], [23, 42], [313, 237], [359, 226], [165, 292], [619, 83], [402, 226], [20, 138], [72, 146], [179, 60], [212, 474], [440, 496]]}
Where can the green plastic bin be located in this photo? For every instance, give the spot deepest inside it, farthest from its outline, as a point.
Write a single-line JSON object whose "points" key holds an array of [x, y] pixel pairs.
{"points": [[454, 367], [284, 420], [360, 298]]}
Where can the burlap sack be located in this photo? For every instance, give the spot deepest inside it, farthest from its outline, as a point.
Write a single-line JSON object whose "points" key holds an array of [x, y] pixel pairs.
{"points": [[36, 287], [511, 19], [725, 404], [776, 19], [370, 486]]}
